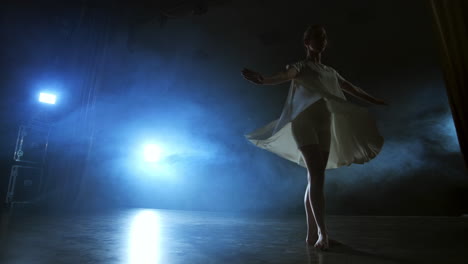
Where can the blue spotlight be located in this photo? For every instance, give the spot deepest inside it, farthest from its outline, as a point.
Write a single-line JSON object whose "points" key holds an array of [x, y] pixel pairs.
{"points": [[152, 153], [47, 98]]}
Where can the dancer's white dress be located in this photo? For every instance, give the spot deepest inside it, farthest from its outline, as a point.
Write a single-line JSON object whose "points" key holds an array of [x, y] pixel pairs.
{"points": [[354, 136]]}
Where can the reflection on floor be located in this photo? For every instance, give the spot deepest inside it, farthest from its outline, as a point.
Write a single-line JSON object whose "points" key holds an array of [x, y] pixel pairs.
{"points": [[170, 237]]}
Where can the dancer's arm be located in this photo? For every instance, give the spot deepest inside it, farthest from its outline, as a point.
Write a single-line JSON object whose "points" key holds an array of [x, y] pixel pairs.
{"points": [[280, 77], [277, 78], [358, 92]]}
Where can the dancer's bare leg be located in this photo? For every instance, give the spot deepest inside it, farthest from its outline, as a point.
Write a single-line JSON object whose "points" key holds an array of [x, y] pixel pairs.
{"points": [[316, 160], [312, 235]]}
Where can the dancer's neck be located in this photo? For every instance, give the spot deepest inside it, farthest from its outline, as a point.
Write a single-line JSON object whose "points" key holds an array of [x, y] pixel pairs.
{"points": [[314, 57]]}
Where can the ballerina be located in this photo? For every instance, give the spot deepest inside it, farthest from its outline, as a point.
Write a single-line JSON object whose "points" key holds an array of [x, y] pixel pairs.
{"points": [[318, 128]]}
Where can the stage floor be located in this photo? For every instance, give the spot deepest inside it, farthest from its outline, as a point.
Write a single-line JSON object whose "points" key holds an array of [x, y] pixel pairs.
{"points": [[170, 237]]}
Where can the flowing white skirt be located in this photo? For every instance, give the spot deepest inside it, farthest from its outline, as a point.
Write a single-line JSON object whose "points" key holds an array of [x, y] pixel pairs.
{"points": [[354, 137]]}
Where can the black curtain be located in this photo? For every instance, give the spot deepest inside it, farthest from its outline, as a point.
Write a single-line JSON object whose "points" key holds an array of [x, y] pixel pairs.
{"points": [[68, 178], [450, 24]]}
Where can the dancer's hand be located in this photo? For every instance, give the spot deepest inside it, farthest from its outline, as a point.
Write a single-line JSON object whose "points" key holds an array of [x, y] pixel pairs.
{"points": [[380, 102], [252, 76]]}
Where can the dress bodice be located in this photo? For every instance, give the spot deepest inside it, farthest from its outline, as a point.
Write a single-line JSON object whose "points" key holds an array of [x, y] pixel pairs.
{"points": [[312, 83]]}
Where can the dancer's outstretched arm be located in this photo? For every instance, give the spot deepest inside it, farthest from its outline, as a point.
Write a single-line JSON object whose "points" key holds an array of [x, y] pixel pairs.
{"points": [[359, 93], [278, 78]]}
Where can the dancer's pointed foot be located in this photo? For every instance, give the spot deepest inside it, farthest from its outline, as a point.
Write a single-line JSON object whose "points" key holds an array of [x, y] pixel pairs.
{"points": [[322, 242], [311, 238]]}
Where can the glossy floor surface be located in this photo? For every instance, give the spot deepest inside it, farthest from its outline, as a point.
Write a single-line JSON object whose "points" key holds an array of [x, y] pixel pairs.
{"points": [[165, 236]]}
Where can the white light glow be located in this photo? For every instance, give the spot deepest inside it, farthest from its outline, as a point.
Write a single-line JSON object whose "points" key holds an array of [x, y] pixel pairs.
{"points": [[152, 153], [47, 98]]}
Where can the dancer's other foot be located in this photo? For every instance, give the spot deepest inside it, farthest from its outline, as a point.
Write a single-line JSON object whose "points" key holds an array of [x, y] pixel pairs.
{"points": [[322, 242]]}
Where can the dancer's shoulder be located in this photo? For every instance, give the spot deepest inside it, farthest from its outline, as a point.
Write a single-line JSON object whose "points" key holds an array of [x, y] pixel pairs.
{"points": [[298, 65]]}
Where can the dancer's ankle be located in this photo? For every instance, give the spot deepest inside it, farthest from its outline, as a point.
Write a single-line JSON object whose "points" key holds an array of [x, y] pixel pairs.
{"points": [[322, 233]]}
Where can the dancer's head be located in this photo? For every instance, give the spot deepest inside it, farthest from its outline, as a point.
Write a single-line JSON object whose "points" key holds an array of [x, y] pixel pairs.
{"points": [[315, 39]]}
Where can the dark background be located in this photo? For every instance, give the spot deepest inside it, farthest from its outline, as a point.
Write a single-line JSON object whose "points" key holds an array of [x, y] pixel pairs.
{"points": [[127, 74]]}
